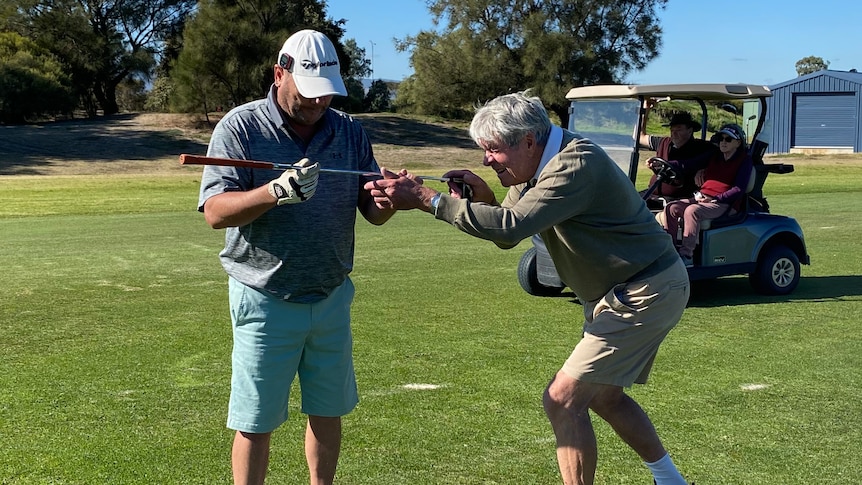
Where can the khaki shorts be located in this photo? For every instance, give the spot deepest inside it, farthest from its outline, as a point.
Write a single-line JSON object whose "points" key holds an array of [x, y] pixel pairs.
{"points": [[624, 329]]}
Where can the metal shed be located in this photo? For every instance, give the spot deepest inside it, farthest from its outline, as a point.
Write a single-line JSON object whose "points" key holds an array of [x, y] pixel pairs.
{"points": [[817, 113]]}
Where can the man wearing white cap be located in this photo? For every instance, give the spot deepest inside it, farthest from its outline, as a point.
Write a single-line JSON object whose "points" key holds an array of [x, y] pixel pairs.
{"points": [[288, 252]]}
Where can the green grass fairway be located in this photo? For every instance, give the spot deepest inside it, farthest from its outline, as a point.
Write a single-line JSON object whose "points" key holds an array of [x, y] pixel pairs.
{"points": [[115, 344]]}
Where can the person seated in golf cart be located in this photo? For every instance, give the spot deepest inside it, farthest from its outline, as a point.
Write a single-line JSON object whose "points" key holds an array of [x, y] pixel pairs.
{"points": [[722, 187], [682, 146]]}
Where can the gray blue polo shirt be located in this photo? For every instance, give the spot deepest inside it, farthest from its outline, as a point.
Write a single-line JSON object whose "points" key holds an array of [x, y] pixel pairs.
{"points": [[298, 252]]}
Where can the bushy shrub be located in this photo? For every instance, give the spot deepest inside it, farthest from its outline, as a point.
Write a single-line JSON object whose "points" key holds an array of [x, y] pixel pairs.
{"points": [[32, 83]]}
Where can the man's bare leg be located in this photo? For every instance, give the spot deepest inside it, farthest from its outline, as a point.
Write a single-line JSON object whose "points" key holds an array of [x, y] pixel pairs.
{"points": [[630, 422], [635, 428], [566, 403], [322, 446], [250, 457]]}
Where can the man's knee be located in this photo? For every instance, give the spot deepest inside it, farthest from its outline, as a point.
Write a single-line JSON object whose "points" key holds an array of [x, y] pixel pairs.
{"points": [[551, 402], [567, 395], [255, 438]]}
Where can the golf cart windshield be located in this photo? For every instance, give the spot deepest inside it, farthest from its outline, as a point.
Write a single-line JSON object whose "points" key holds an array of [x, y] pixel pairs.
{"points": [[610, 115], [610, 124]]}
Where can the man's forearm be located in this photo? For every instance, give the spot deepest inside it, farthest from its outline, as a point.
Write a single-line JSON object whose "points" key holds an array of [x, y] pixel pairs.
{"points": [[371, 212], [235, 209], [643, 137]]}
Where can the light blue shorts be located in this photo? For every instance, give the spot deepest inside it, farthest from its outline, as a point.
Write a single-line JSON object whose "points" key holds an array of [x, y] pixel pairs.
{"points": [[274, 341]]}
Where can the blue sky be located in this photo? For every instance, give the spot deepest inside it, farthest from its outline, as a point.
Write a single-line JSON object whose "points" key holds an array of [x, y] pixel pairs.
{"points": [[752, 41]]}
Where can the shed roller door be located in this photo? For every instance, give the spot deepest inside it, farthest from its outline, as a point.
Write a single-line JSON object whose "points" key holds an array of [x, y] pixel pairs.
{"points": [[825, 120]]}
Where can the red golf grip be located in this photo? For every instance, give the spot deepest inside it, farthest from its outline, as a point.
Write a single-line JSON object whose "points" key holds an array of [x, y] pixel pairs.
{"points": [[186, 159]]}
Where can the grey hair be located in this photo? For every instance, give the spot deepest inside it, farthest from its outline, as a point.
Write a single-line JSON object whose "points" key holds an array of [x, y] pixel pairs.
{"points": [[509, 118]]}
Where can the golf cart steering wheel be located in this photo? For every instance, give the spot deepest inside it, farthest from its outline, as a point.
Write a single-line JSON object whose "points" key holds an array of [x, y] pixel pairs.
{"points": [[664, 171]]}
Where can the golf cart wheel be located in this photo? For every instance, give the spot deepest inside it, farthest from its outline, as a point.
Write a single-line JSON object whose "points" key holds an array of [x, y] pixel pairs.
{"points": [[777, 272], [529, 279]]}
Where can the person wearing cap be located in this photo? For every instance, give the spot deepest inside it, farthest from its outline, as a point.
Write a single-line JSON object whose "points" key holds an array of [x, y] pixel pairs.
{"points": [[682, 146], [607, 248], [722, 185], [288, 252]]}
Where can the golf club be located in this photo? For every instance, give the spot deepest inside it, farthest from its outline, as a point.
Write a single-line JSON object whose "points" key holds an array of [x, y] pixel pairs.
{"points": [[186, 159]]}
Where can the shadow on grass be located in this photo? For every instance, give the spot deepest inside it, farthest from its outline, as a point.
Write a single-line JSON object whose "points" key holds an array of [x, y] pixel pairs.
{"points": [[735, 291], [99, 140], [123, 138], [403, 131]]}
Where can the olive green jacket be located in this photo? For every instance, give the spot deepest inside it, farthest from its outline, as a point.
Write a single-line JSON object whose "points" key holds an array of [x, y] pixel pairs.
{"points": [[594, 223]]}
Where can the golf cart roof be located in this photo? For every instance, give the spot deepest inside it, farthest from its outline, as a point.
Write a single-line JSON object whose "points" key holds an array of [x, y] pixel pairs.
{"points": [[701, 91]]}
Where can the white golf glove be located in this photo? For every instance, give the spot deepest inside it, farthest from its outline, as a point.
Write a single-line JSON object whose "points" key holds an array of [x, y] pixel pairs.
{"points": [[295, 186]]}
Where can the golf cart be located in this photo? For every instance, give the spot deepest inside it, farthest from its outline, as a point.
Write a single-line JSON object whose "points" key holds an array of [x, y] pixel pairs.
{"points": [[769, 248]]}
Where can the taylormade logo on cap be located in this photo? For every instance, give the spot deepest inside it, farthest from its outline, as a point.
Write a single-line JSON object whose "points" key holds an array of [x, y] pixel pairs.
{"points": [[314, 64], [308, 65]]}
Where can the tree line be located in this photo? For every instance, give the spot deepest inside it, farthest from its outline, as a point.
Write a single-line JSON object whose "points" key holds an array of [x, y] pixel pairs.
{"points": [[58, 57]]}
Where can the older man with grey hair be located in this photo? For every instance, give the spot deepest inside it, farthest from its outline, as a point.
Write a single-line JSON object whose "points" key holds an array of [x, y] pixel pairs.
{"points": [[607, 248]]}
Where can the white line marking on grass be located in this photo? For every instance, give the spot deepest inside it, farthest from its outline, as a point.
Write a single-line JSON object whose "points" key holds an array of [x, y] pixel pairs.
{"points": [[754, 387], [421, 387], [127, 395]]}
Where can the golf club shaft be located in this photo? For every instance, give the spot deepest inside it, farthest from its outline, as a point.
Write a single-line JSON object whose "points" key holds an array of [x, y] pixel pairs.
{"points": [[186, 159]]}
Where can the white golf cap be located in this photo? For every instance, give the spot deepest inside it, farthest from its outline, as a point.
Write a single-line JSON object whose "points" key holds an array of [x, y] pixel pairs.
{"points": [[313, 61]]}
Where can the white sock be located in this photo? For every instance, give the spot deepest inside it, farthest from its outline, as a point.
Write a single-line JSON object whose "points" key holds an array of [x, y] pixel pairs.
{"points": [[665, 472]]}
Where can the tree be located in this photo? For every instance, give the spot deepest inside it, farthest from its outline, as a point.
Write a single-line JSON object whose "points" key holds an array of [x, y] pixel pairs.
{"points": [[230, 47], [103, 42], [132, 95], [452, 72], [222, 59], [32, 83], [378, 98], [810, 64], [159, 95], [357, 68], [492, 47]]}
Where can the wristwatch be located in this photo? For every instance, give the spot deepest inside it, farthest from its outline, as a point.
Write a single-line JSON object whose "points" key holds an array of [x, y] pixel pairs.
{"points": [[435, 201]]}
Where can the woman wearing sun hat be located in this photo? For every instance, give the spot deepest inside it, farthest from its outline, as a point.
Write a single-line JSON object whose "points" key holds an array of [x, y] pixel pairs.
{"points": [[722, 188]]}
